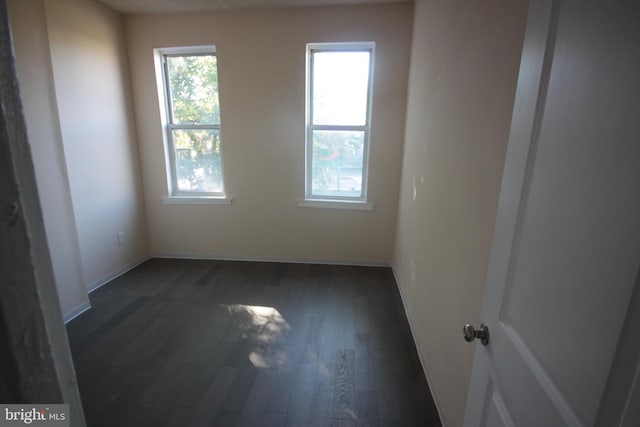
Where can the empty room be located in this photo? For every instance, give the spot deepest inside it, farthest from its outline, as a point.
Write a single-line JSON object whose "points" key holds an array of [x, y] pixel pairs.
{"points": [[320, 212]]}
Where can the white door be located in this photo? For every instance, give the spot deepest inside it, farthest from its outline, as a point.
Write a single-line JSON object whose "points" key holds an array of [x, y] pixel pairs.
{"points": [[563, 318]]}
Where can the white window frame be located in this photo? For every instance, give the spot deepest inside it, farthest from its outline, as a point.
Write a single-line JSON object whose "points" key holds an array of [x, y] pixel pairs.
{"points": [[336, 201], [175, 196]]}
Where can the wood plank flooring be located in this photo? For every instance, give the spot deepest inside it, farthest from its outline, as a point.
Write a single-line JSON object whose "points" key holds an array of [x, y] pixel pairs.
{"points": [[226, 343]]}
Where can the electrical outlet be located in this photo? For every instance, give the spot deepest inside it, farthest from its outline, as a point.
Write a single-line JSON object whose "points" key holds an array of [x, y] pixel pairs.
{"points": [[121, 238]]}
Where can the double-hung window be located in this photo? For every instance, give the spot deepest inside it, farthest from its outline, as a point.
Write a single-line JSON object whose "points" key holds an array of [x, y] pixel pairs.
{"points": [[339, 81], [193, 149]]}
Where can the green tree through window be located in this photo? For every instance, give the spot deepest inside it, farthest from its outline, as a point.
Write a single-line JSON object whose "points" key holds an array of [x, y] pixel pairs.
{"points": [[191, 83]]}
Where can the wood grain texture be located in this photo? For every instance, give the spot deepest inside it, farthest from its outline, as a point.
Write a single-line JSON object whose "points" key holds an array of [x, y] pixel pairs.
{"points": [[344, 387], [182, 342]]}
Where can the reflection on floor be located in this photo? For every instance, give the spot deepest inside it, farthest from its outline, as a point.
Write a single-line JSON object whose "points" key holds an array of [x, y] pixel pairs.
{"points": [[185, 342]]}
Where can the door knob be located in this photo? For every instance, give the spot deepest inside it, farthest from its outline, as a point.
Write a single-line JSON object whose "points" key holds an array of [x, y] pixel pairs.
{"points": [[471, 333]]}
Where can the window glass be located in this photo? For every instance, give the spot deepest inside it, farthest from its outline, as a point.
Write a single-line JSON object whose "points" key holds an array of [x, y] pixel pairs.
{"points": [[190, 78], [338, 111], [193, 82], [337, 163], [340, 86], [198, 160]]}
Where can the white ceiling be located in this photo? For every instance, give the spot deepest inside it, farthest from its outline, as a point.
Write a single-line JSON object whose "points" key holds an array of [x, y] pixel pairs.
{"points": [[172, 6]]}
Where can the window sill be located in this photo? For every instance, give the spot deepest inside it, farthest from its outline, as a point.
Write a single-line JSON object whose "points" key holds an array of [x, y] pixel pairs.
{"points": [[196, 200], [335, 204]]}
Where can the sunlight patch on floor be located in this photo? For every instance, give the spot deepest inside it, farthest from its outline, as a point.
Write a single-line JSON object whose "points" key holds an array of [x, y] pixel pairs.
{"points": [[266, 327]]}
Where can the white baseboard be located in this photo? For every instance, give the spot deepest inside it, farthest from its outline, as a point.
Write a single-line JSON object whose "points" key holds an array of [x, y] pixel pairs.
{"points": [[77, 311], [103, 281], [288, 260], [106, 279], [417, 343]]}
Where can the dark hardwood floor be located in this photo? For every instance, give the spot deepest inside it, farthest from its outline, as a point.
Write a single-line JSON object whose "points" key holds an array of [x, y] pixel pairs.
{"points": [[224, 343]]}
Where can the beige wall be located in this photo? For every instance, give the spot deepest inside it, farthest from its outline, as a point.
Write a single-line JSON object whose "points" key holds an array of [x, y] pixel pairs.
{"points": [[464, 64], [33, 63], [73, 76], [463, 72], [261, 56], [94, 103]]}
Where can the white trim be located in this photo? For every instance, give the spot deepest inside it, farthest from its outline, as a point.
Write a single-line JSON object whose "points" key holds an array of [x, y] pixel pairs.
{"points": [[336, 204], [355, 128], [166, 115], [341, 46], [119, 272], [310, 127], [188, 50], [196, 200], [190, 126], [284, 260], [75, 312], [417, 343]]}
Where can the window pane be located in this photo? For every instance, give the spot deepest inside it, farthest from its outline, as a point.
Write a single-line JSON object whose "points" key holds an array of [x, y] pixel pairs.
{"points": [[337, 163], [340, 83], [197, 157], [193, 82]]}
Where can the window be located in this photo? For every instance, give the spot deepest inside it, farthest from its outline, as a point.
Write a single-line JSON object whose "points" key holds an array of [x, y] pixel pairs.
{"points": [[193, 148], [338, 120]]}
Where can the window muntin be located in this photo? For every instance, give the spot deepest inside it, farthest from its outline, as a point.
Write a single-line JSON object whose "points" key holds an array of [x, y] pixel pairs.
{"points": [[194, 148], [339, 85]]}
